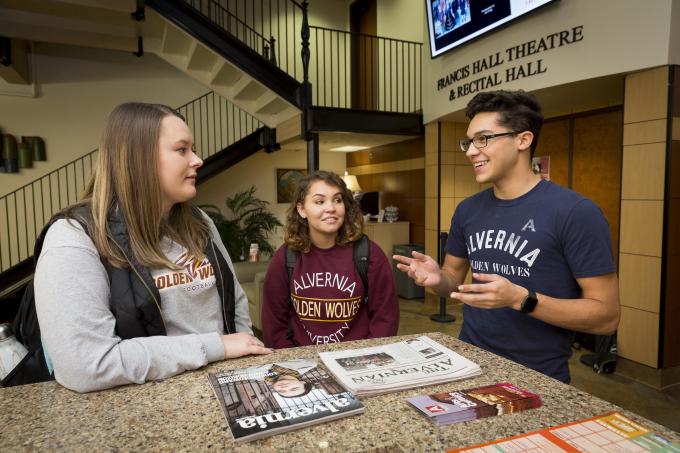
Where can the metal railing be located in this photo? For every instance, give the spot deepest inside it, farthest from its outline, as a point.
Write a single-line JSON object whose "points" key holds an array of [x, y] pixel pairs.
{"points": [[215, 122], [268, 27], [367, 72], [346, 70]]}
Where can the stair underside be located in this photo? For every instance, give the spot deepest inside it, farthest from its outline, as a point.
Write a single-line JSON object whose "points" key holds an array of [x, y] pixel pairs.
{"points": [[63, 22]]}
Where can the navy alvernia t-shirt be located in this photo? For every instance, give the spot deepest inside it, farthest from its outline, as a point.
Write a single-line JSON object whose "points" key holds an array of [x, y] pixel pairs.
{"points": [[543, 240]]}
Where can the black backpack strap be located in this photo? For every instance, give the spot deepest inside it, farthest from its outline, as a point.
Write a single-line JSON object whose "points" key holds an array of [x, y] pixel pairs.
{"points": [[361, 254], [291, 260]]}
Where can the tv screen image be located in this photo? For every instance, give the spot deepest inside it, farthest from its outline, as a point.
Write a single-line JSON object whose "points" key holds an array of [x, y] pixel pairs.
{"points": [[449, 15], [454, 22]]}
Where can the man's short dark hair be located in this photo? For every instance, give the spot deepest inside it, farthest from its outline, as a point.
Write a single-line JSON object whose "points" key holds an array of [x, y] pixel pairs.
{"points": [[518, 111]]}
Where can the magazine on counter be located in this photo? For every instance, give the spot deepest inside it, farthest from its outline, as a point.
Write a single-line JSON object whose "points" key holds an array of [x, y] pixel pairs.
{"points": [[392, 367], [463, 405], [608, 432], [269, 399]]}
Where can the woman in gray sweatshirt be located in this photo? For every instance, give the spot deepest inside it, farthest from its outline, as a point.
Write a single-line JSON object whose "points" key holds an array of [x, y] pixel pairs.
{"points": [[133, 283]]}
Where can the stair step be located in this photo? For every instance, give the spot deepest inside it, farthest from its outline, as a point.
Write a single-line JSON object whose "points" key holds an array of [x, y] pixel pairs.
{"points": [[273, 107], [176, 42], [227, 75], [251, 91], [202, 59]]}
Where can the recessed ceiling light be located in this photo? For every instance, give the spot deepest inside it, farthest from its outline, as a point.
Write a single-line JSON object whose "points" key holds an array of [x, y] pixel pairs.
{"points": [[348, 148]]}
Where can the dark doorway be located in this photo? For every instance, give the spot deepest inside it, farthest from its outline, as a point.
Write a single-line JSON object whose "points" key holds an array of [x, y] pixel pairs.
{"points": [[364, 28]]}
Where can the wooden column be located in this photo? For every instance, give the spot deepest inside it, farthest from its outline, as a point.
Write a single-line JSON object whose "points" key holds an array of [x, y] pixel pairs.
{"points": [[647, 343]]}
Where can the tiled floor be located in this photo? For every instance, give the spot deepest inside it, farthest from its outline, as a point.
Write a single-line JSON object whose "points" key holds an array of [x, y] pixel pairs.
{"points": [[662, 407]]}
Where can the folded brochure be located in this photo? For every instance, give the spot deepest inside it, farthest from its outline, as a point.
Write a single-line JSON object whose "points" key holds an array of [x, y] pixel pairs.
{"points": [[457, 406]]}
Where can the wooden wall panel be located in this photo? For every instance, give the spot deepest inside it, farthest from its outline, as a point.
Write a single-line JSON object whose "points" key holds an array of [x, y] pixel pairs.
{"points": [[447, 184], [405, 190], [449, 140], [399, 171], [408, 149], [465, 184], [554, 142], [646, 95], [641, 227], [644, 167], [596, 164], [642, 291], [641, 342], [645, 132]]}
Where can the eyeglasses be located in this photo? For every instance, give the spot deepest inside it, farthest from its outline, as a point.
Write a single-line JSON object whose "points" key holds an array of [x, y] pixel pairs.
{"points": [[480, 141]]}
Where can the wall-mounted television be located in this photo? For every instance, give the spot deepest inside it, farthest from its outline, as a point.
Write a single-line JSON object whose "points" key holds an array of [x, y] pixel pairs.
{"points": [[454, 22]]}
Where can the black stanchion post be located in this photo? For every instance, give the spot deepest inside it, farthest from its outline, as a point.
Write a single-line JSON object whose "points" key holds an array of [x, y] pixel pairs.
{"points": [[442, 316]]}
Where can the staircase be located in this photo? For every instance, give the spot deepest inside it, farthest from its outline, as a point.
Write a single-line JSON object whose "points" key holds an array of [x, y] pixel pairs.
{"points": [[194, 36], [223, 136]]}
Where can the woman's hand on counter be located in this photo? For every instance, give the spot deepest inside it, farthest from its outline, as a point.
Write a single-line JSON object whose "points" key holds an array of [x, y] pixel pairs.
{"points": [[240, 344]]}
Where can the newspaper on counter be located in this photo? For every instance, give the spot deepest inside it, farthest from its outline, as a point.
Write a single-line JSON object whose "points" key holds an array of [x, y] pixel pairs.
{"points": [[397, 366]]}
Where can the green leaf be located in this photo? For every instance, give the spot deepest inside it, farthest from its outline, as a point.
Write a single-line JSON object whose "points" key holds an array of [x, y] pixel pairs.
{"points": [[247, 221]]}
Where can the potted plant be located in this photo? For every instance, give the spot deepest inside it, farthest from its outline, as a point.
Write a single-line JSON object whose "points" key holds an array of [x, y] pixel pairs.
{"points": [[248, 221]]}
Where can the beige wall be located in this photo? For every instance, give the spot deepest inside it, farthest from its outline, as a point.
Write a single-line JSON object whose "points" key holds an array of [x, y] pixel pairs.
{"points": [[76, 89], [401, 19], [260, 170], [618, 36], [674, 40]]}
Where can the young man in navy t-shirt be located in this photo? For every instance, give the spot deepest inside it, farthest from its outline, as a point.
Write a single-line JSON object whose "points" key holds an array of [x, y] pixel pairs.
{"points": [[540, 254]]}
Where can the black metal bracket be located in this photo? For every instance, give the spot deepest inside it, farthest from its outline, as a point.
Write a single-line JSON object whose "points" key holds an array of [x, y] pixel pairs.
{"points": [[231, 155], [139, 15], [267, 140], [5, 51], [140, 47]]}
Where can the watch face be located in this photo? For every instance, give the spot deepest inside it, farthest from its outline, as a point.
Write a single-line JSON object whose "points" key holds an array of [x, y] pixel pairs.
{"points": [[529, 303]]}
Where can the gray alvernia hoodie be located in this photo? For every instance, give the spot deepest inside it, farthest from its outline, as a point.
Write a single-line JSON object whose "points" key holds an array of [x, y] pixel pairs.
{"points": [[77, 326]]}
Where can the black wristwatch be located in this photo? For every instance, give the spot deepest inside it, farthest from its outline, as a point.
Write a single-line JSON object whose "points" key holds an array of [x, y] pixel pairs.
{"points": [[529, 302]]}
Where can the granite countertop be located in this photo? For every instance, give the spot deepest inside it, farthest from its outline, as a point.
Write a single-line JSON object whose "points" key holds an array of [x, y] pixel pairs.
{"points": [[182, 413]]}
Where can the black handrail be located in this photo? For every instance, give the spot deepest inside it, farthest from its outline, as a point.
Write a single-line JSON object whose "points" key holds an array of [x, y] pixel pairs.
{"points": [[215, 122]]}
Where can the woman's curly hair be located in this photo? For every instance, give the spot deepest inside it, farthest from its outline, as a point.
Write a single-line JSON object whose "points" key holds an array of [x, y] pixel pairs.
{"points": [[296, 232]]}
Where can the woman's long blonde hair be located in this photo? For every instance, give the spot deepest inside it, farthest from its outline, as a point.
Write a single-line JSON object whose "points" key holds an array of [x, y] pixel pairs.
{"points": [[126, 179], [296, 233]]}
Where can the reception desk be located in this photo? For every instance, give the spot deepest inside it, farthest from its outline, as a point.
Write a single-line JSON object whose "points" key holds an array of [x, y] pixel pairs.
{"points": [[182, 413]]}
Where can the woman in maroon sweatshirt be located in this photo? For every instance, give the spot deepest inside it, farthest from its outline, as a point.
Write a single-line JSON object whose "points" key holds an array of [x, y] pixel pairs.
{"points": [[324, 300]]}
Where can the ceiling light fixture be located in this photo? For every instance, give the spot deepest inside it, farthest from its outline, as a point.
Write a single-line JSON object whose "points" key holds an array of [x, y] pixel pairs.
{"points": [[348, 148]]}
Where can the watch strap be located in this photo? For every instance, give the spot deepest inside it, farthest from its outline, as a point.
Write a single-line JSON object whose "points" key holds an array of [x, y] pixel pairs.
{"points": [[529, 302]]}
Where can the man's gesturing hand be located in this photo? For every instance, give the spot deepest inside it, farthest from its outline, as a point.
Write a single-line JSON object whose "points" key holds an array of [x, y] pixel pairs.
{"points": [[421, 268], [494, 292]]}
